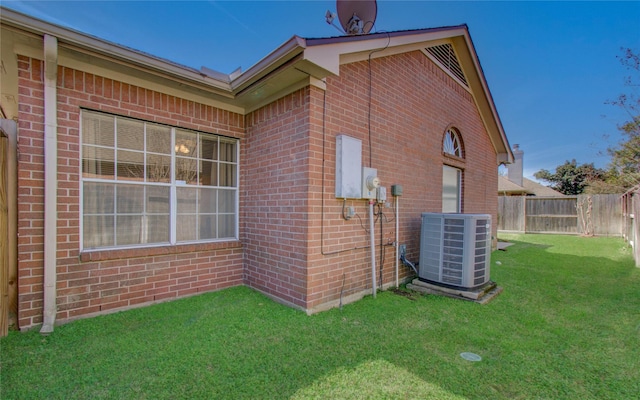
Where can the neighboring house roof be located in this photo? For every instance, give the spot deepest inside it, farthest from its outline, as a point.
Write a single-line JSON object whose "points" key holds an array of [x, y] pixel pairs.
{"points": [[295, 64], [528, 188], [506, 187], [540, 190]]}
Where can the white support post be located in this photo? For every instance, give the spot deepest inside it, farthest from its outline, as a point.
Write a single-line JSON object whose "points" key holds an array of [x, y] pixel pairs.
{"points": [[50, 182]]}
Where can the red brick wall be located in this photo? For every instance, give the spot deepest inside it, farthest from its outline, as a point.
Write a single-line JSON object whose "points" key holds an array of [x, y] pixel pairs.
{"points": [[294, 244], [412, 104], [105, 280], [274, 200]]}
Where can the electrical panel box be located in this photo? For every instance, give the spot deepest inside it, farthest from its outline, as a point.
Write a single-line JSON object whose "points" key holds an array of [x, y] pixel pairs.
{"points": [[396, 190], [370, 183], [348, 167]]}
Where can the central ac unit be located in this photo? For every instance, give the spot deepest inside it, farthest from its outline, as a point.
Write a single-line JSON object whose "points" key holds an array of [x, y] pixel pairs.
{"points": [[455, 249]]}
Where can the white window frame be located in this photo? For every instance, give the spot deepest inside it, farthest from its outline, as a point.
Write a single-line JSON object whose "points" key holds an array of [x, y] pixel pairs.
{"points": [[173, 185], [446, 202]]}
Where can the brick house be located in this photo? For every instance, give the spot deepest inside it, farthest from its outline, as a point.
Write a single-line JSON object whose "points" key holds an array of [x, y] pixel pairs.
{"points": [[515, 184], [138, 180]]}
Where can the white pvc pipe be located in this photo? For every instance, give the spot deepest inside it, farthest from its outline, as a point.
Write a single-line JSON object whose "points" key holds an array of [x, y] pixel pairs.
{"points": [[50, 182], [373, 249], [397, 238]]}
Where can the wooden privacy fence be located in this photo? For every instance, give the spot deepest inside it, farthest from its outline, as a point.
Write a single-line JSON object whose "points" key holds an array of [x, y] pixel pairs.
{"points": [[631, 216], [599, 214]]}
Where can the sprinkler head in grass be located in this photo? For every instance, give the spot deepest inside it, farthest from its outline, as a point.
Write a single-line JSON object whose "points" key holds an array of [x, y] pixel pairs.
{"points": [[471, 357]]}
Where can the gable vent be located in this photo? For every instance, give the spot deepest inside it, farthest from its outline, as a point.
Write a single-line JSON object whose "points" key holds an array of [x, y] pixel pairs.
{"points": [[445, 55]]}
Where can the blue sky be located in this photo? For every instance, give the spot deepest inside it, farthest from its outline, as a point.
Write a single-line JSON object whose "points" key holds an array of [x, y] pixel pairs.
{"points": [[551, 66]]}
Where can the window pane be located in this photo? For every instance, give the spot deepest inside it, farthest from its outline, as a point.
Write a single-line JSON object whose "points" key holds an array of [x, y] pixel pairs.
{"points": [[97, 162], [98, 198], [187, 227], [226, 226], [186, 171], [186, 143], [130, 134], [187, 200], [158, 168], [207, 201], [227, 201], [157, 228], [450, 190], [130, 166], [452, 143], [158, 139], [158, 200], [228, 175], [130, 199], [209, 146], [98, 231], [128, 230], [98, 129], [228, 151], [207, 227], [208, 173]]}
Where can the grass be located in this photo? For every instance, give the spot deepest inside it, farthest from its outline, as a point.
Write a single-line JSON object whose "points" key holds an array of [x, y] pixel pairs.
{"points": [[567, 326]]}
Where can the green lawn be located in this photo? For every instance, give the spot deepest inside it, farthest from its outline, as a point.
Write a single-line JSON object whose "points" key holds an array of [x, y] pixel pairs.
{"points": [[567, 326]]}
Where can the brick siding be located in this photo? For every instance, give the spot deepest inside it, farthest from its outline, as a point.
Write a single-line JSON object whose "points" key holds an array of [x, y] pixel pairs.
{"points": [[101, 281], [275, 198], [298, 247], [294, 244], [413, 102]]}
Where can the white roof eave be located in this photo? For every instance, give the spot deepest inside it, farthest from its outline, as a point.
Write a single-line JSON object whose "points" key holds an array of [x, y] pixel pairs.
{"points": [[73, 38], [287, 51]]}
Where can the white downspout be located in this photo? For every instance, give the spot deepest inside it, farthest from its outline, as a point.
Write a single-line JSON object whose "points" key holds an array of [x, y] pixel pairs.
{"points": [[50, 182], [372, 239], [397, 238]]}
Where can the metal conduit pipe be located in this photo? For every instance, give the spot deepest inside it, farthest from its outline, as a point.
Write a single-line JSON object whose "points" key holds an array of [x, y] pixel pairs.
{"points": [[372, 239], [397, 238]]}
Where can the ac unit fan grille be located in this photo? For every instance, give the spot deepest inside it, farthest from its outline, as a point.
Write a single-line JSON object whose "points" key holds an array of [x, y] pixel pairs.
{"points": [[455, 249]]}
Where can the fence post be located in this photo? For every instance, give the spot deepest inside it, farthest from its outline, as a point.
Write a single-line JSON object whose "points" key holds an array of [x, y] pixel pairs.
{"points": [[635, 205], [524, 214]]}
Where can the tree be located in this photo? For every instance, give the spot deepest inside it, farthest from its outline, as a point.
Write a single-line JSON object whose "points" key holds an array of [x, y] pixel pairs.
{"points": [[611, 182], [571, 178], [623, 171], [625, 157]]}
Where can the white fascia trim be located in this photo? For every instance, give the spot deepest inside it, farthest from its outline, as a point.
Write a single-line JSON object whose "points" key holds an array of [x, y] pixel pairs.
{"points": [[332, 52], [82, 40], [285, 52], [507, 155]]}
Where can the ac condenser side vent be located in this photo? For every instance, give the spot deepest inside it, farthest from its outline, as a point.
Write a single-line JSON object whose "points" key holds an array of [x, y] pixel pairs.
{"points": [[455, 249]]}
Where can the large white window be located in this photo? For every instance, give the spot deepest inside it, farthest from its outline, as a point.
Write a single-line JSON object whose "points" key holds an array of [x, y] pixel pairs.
{"points": [[145, 183]]}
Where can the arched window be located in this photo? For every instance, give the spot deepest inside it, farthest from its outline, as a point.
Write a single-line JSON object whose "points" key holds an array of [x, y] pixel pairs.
{"points": [[452, 144], [452, 175]]}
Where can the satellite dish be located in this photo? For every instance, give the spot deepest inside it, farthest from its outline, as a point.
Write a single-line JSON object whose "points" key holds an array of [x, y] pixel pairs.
{"points": [[357, 16]]}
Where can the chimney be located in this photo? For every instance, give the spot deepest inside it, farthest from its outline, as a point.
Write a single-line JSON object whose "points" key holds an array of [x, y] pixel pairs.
{"points": [[515, 170]]}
